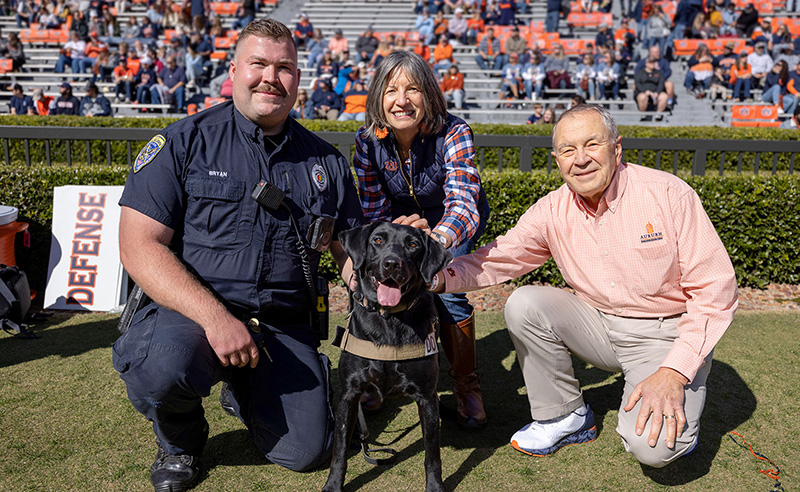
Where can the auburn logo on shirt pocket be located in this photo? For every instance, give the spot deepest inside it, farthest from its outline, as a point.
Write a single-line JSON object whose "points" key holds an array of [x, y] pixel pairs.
{"points": [[651, 234]]}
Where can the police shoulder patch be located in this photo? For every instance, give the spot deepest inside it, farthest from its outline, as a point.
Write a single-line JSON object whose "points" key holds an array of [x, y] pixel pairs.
{"points": [[319, 177], [149, 152]]}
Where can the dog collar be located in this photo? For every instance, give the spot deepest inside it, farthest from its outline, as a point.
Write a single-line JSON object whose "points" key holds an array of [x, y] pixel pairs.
{"points": [[382, 310], [369, 350]]}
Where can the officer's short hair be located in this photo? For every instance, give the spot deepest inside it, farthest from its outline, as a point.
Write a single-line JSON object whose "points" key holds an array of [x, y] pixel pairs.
{"points": [[582, 109], [265, 28], [419, 72]]}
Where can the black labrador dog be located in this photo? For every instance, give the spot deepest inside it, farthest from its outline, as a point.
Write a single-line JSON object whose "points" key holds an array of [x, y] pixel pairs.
{"points": [[393, 317]]}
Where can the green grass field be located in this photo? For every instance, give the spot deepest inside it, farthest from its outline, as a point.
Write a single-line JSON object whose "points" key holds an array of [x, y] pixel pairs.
{"points": [[66, 423]]}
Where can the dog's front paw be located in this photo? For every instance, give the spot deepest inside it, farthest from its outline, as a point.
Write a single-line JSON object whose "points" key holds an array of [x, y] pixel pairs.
{"points": [[433, 486], [332, 487]]}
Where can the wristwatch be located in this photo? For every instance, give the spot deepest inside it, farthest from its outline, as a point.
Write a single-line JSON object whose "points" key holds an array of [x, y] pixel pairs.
{"points": [[440, 237]]}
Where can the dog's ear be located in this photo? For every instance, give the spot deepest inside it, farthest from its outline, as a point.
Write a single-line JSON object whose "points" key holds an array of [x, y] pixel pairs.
{"points": [[354, 243], [435, 259]]}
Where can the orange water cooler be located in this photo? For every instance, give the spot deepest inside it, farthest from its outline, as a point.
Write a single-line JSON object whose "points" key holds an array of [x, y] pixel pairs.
{"points": [[9, 227]]}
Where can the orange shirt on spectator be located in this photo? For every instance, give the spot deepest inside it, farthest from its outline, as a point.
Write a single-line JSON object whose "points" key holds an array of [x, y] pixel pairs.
{"points": [[123, 72], [43, 105], [478, 25], [424, 51], [453, 81], [443, 52], [620, 34], [739, 72]]}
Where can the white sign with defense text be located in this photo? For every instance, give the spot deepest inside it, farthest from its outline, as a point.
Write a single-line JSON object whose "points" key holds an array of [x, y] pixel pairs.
{"points": [[85, 271]]}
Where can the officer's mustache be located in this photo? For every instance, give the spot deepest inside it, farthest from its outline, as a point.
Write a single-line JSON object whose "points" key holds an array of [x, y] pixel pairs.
{"points": [[270, 88]]}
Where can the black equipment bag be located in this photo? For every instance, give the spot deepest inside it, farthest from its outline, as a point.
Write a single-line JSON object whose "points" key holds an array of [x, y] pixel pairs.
{"points": [[15, 301]]}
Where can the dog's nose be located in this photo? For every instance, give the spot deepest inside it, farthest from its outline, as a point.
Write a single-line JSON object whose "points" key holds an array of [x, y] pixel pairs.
{"points": [[391, 265]]}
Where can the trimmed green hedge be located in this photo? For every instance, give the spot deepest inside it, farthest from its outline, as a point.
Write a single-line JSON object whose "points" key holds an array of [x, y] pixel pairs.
{"points": [[490, 160], [756, 217]]}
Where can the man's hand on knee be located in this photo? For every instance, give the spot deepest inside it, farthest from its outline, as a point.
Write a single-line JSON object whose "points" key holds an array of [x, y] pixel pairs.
{"points": [[662, 396]]}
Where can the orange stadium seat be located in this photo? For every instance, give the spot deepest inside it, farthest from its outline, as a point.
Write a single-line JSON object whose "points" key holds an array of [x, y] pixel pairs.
{"points": [[536, 27], [224, 8], [6, 64], [573, 47], [685, 47], [754, 115], [594, 19], [213, 101], [224, 43]]}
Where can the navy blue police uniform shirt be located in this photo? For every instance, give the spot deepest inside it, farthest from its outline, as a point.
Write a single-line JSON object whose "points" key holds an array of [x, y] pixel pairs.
{"points": [[196, 177]]}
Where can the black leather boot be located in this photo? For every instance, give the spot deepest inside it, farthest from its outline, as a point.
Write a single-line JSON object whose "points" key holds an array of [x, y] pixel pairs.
{"points": [[174, 473]]}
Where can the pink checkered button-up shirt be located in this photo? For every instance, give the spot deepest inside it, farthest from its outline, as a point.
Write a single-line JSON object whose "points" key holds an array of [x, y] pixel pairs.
{"points": [[648, 251]]}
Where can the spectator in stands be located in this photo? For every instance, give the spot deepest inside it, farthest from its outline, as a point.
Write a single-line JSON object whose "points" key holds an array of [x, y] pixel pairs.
{"points": [[450, 6], [508, 12], [49, 19], [665, 70], [155, 14], [193, 67], [760, 64], [131, 32], [775, 85], [659, 28], [327, 67], [171, 86], [549, 116], [537, 115], [701, 28], [763, 32], [109, 27], [93, 21], [728, 58], [714, 18], [475, 26], [303, 30], [203, 48], [729, 17], [741, 78], [491, 13], [21, 104], [747, 21], [517, 44], [176, 50], [608, 76], [586, 77], [94, 103], [338, 45], [124, 78], [93, 49], [576, 100], [355, 102], [102, 67], [24, 13], [793, 122], [15, 51], [70, 53], [301, 105], [366, 44], [246, 13], [641, 13], [442, 54], [790, 100], [80, 25], [649, 87], [552, 17], [315, 46], [533, 76], [149, 31], [42, 102], [145, 79], [440, 24], [604, 36], [788, 56], [348, 73], [457, 28], [781, 39], [400, 44], [512, 78], [66, 104], [325, 102], [424, 26], [382, 52], [701, 68], [489, 52], [453, 87], [556, 67], [718, 86]]}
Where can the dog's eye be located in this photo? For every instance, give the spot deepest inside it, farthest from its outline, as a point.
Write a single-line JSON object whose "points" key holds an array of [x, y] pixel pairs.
{"points": [[413, 244], [377, 240]]}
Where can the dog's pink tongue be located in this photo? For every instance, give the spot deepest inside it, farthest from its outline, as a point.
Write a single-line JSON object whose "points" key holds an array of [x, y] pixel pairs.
{"points": [[388, 296]]}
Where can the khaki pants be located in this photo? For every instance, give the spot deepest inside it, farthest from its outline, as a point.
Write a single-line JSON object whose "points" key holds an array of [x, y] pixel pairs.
{"points": [[547, 324]]}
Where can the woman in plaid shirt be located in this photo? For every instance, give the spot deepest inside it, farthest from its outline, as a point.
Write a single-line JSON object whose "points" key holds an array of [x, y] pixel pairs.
{"points": [[414, 165]]}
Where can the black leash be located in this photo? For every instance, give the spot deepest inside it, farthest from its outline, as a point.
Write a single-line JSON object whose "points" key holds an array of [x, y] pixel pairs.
{"points": [[363, 435]]}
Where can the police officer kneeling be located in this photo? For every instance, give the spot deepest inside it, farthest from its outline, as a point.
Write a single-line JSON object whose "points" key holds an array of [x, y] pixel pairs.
{"points": [[212, 258]]}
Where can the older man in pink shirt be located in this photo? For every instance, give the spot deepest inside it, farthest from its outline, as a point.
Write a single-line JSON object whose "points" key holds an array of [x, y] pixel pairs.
{"points": [[654, 292]]}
